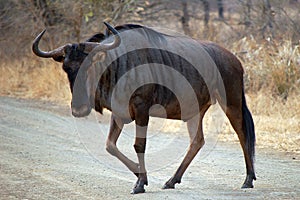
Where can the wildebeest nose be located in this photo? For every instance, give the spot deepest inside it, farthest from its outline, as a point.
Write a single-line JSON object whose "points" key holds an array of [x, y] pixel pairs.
{"points": [[81, 111]]}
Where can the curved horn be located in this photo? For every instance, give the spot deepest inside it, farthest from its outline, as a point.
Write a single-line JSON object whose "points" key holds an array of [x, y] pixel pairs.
{"points": [[117, 40], [89, 46], [51, 54]]}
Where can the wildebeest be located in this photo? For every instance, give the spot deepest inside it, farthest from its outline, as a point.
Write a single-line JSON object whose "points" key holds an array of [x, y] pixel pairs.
{"points": [[212, 73]]}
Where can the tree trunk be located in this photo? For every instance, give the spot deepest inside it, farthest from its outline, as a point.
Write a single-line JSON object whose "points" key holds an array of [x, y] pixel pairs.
{"points": [[206, 11], [268, 16], [185, 18], [221, 9], [248, 13]]}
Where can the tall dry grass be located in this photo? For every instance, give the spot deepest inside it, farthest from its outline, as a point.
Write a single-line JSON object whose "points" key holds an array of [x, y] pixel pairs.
{"points": [[270, 65], [40, 79], [277, 123]]}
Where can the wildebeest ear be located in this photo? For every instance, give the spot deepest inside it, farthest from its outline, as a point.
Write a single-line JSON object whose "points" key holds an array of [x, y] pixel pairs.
{"points": [[97, 38]]}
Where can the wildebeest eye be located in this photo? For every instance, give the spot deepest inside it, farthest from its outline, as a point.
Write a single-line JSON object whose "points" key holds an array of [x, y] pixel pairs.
{"points": [[67, 50]]}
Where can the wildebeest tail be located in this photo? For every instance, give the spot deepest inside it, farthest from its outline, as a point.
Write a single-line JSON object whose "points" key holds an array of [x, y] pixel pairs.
{"points": [[248, 126]]}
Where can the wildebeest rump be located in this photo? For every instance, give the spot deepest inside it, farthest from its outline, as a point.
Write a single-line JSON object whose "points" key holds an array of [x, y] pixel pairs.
{"points": [[135, 68]]}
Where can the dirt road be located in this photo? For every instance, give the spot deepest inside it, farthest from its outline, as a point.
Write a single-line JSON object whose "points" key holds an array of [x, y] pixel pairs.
{"points": [[47, 154]]}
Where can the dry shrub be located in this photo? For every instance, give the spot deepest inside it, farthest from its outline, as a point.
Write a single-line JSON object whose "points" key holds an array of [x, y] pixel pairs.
{"points": [[270, 65], [41, 79]]}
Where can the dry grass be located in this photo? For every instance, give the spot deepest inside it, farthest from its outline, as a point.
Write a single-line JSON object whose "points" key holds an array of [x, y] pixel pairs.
{"points": [[34, 79], [277, 124], [270, 66]]}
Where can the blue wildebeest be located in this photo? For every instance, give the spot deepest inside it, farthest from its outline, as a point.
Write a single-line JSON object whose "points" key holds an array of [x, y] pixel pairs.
{"points": [[212, 73]]}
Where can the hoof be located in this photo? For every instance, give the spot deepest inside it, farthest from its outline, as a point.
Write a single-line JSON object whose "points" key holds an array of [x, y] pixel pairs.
{"points": [[138, 190], [167, 186], [247, 185], [170, 184], [139, 186], [249, 181]]}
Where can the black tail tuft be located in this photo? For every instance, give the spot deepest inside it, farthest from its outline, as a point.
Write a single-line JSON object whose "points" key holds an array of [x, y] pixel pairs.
{"points": [[248, 125]]}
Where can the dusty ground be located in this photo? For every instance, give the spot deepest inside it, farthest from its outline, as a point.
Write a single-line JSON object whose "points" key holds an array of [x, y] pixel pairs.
{"points": [[47, 154]]}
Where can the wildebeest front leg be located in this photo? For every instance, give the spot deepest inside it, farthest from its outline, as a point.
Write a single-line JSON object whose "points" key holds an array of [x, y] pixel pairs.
{"points": [[116, 126], [140, 146]]}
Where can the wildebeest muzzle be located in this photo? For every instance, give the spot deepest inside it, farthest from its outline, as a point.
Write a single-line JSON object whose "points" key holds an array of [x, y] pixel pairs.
{"points": [[81, 111]]}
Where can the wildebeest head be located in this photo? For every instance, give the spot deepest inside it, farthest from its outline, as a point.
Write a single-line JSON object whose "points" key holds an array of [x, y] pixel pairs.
{"points": [[73, 56]]}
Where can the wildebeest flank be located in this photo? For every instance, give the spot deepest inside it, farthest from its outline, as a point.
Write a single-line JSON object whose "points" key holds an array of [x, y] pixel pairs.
{"points": [[135, 68]]}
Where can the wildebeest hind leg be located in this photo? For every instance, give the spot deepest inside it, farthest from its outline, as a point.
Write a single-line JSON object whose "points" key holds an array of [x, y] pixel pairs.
{"points": [[194, 126], [236, 118], [116, 126]]}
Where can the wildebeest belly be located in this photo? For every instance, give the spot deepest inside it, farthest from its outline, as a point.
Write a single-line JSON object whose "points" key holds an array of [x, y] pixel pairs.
{"points": [[160, 101]]}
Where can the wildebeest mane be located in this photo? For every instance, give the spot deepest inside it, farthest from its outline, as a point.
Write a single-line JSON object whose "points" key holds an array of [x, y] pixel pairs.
{"points": [[149, 33]]}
